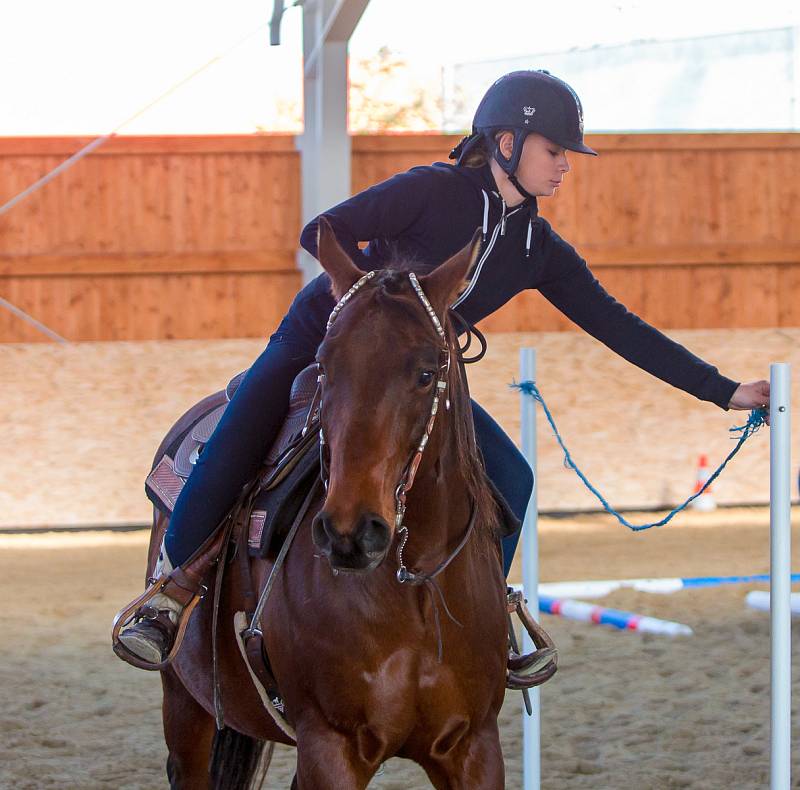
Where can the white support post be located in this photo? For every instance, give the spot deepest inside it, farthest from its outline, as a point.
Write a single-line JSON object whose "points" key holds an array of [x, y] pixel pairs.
{"points": [[325, 142], [780, 577], [531, 725]]}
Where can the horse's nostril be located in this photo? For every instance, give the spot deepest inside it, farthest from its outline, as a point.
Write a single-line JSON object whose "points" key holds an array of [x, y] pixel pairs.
{"points": [[356, 550], [373, 535], [321, 531]]}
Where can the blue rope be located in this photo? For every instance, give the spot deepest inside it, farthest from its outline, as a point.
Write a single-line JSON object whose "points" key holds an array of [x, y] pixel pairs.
{"points": [[757, 418]]}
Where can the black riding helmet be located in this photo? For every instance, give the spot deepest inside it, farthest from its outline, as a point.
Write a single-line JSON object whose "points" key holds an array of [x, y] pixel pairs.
{"points": [[524, 102]]}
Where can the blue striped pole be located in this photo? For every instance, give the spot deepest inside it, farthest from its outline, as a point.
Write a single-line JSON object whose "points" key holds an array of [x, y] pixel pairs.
{"points": [[600, 615]]}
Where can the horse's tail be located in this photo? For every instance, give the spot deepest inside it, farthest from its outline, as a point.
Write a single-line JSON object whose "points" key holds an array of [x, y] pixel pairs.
{"points": [[239, 761]]}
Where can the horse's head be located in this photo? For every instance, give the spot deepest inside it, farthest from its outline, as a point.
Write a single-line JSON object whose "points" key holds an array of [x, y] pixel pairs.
{"points": [[381, 362]]}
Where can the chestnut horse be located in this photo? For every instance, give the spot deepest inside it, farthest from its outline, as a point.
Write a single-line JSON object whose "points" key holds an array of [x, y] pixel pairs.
{"points": [[369, 666]]}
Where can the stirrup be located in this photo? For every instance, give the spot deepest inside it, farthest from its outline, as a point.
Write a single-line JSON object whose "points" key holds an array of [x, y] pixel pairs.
{"points": [[519, 677], [127, 615]]}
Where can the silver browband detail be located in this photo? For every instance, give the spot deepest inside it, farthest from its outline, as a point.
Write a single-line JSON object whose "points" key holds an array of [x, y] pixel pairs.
{"points": [[437, 324], [346, 298], [427, 305]]}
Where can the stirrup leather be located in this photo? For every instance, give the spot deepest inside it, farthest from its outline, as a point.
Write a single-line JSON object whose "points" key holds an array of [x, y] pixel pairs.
{"points": [[517, 678], [127, 615]]}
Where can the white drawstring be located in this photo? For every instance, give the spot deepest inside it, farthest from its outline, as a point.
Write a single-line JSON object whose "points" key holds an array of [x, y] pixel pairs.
{"points": [[485, 214], [528, 240]]}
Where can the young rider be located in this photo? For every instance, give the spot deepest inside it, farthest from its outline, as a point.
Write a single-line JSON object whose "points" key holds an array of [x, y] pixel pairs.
{"points": [[522, 130]]}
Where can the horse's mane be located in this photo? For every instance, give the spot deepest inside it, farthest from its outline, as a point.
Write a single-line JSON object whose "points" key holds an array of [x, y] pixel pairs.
{"points": [[392, 283]]}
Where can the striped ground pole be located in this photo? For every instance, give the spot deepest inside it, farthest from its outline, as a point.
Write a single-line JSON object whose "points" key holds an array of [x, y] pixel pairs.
{"points": [[600, 615]]}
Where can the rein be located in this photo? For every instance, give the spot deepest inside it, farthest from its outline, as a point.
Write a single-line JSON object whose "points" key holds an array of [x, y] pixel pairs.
{"points": [[417, 579]]}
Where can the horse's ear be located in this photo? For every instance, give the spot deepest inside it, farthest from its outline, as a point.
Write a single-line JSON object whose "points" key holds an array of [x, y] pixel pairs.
{"points": [[336, 262], [445, 282]]}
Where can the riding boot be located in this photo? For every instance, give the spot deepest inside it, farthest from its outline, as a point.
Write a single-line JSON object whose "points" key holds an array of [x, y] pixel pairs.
{"points": [[532, 669], [152, 633], [147, 633]]}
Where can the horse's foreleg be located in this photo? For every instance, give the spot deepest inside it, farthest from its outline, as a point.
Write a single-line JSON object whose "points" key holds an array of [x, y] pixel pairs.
{"points": [[475, 763], [330, 760], [189, 733]]}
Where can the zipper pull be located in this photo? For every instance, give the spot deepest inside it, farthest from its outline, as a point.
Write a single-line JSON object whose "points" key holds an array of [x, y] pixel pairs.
{"points": [[503, 220]]}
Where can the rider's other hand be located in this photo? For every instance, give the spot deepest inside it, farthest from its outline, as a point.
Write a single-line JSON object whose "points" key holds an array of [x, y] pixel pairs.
{"points": [[754, 395]]}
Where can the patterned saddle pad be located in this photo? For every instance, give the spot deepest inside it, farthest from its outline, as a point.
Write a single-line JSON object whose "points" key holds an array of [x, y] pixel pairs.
{"points": [[291, 461]]}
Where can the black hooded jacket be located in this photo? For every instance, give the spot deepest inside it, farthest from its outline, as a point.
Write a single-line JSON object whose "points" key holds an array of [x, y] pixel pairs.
{"points": [[429, 213]]}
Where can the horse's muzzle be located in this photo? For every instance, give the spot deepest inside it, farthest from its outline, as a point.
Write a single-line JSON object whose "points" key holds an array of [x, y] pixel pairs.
{"points": [[362, 549]]}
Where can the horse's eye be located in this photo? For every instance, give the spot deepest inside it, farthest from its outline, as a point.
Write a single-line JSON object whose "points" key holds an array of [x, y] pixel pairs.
{"points": [[426, 378]]}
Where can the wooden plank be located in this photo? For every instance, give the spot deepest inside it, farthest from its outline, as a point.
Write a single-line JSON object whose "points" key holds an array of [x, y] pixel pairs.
{"points": [[400, 142], [189, 263], [178, 203], [788, 285], [147, 307], [665, 295], [598, 255], [526, 310], [741, 297]]}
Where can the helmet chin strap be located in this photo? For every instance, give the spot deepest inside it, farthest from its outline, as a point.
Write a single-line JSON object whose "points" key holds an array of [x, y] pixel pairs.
{"points": [[521, 189], [511, 165]]}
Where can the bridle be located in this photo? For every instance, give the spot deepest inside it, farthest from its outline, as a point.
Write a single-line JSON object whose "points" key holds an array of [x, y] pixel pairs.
{"points": [[440, 391], [410, 470]]}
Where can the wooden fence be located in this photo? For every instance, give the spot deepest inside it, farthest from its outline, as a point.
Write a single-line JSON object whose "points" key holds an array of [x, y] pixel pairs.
{"points": [[196, 237]]}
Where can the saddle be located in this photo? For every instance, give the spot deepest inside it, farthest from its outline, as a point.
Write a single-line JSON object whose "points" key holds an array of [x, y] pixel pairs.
{"points": [[287, 479], [290, 466]]}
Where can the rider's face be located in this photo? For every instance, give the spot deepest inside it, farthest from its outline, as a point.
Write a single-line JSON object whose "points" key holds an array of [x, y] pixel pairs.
{"points": [[542, 166]]}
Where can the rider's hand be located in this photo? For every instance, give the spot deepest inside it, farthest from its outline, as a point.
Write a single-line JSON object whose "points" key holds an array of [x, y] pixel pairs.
{"points": [[754, 395]]}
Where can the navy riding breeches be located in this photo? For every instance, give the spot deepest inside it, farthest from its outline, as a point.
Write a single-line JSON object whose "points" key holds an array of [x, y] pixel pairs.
{"points": [[252, 421], [507, 469]]}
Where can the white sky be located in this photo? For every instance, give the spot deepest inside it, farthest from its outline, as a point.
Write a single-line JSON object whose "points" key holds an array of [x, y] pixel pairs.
{"points": [[82, 67]]}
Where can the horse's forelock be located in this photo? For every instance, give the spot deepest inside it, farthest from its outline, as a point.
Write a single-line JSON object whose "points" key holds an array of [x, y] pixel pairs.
{"points": [[394, 282]]}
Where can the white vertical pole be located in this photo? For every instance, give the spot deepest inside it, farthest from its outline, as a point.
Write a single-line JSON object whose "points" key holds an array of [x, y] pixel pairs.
{"points": [[325, 142], [780, 576], [531, 730]]}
